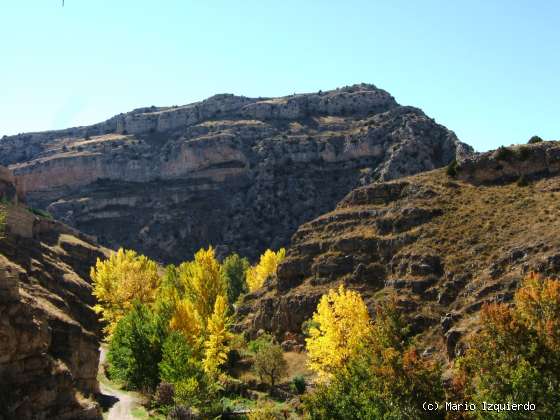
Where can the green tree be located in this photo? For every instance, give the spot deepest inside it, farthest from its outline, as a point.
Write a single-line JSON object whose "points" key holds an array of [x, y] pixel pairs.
{"points": [[135, 348], [234, 269], [269, 363], [179, 361]]}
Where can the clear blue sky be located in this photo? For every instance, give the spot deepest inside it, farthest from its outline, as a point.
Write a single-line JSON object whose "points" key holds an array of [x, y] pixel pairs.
{"points": [[489, 70]]}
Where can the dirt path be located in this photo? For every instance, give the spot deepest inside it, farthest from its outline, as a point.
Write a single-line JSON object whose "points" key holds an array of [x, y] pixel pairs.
{"points": [[127, 401]]}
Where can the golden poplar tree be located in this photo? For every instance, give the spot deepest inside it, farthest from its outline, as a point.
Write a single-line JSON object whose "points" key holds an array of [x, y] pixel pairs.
{"points": [[340, 324], [120, 280], [201, 285], [217, 344], [267, 266]]}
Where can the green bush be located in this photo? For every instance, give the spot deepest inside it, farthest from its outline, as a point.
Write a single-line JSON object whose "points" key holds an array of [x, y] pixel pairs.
{"points": [[135, 349], [452, 169], [535, 139], [503, 153], [522, 181], [523, 153], [255, 345], [298, 384], [40, 213], [2, 221]]}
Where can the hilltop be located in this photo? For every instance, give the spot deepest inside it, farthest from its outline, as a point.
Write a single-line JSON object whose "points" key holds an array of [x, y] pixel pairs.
{"points": [[239, 173], [444, 244]]}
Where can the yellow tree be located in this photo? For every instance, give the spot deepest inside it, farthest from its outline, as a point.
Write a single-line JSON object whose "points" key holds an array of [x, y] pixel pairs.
{"points": [[201, 284], [340, 324], [217, 344], [120, 280], [267, 266]]}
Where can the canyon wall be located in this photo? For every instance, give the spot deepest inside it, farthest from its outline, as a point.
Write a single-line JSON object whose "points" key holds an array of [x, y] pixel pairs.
{"points": [[238, 173]]}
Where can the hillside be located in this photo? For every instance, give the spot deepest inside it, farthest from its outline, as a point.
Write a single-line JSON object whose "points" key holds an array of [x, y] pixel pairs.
{"points": [[444, 245], [49, 335], [239, 173]]}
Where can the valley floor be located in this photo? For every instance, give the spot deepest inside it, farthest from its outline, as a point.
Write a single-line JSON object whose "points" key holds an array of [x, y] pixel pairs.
{"points": [[126, 405]]}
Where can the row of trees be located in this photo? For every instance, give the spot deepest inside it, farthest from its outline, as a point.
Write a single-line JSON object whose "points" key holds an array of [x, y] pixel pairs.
{"points": [[371, 369], [173, 325]]}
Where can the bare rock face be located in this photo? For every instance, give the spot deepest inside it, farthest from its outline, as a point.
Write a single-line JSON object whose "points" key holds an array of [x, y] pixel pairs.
{"points": [[48, 332], [443, 246], [530, 161], [239, 173]]}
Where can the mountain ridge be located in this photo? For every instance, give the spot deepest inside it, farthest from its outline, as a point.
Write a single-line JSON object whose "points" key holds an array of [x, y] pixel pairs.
{"points": [[236, 172]]}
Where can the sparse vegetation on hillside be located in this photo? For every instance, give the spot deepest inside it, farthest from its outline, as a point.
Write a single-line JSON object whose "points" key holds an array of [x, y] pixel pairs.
{"points": [[516, 354], [2, 220], [535, 139]]}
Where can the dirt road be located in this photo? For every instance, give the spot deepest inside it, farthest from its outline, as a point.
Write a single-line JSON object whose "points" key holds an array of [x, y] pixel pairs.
{"points": [[127, 401]]}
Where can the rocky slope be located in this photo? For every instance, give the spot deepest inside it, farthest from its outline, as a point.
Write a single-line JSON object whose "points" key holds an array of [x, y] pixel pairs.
{"points": [[240, 173], [444, 245], [48, 331]]}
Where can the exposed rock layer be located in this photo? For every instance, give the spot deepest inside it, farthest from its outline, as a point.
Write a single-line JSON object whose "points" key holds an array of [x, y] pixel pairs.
{"points": [[235, 172], [443, 245], [48, 331]]}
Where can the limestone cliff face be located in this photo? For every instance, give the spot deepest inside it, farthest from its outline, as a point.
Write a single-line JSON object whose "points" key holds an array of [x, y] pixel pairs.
{"points": [[444, 246], [48, 331], [239, 173]]}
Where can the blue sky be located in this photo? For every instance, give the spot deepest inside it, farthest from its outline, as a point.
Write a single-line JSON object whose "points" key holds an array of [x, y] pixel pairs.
{"points": [[489, 70]]}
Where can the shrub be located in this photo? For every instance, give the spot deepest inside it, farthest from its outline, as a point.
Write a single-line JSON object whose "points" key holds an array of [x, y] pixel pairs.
{"points": [[180, 412], [452, 168], [262, 341], [298, 384], [535, 139], [188, 392], [523, 153], [266, 410], [522, 181], [516, 354], [41, 213], [503, 153], [2, 221], [164, 394], [269, 363]]}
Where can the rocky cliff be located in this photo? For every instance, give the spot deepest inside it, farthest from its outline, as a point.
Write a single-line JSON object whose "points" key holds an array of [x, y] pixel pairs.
{"points": [[48, 331], [239, 173], [444, 245]]}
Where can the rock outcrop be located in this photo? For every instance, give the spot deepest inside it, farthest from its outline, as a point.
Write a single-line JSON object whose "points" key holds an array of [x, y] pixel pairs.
{"points": [[239, 173], [49, 335], [444, 246]]}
